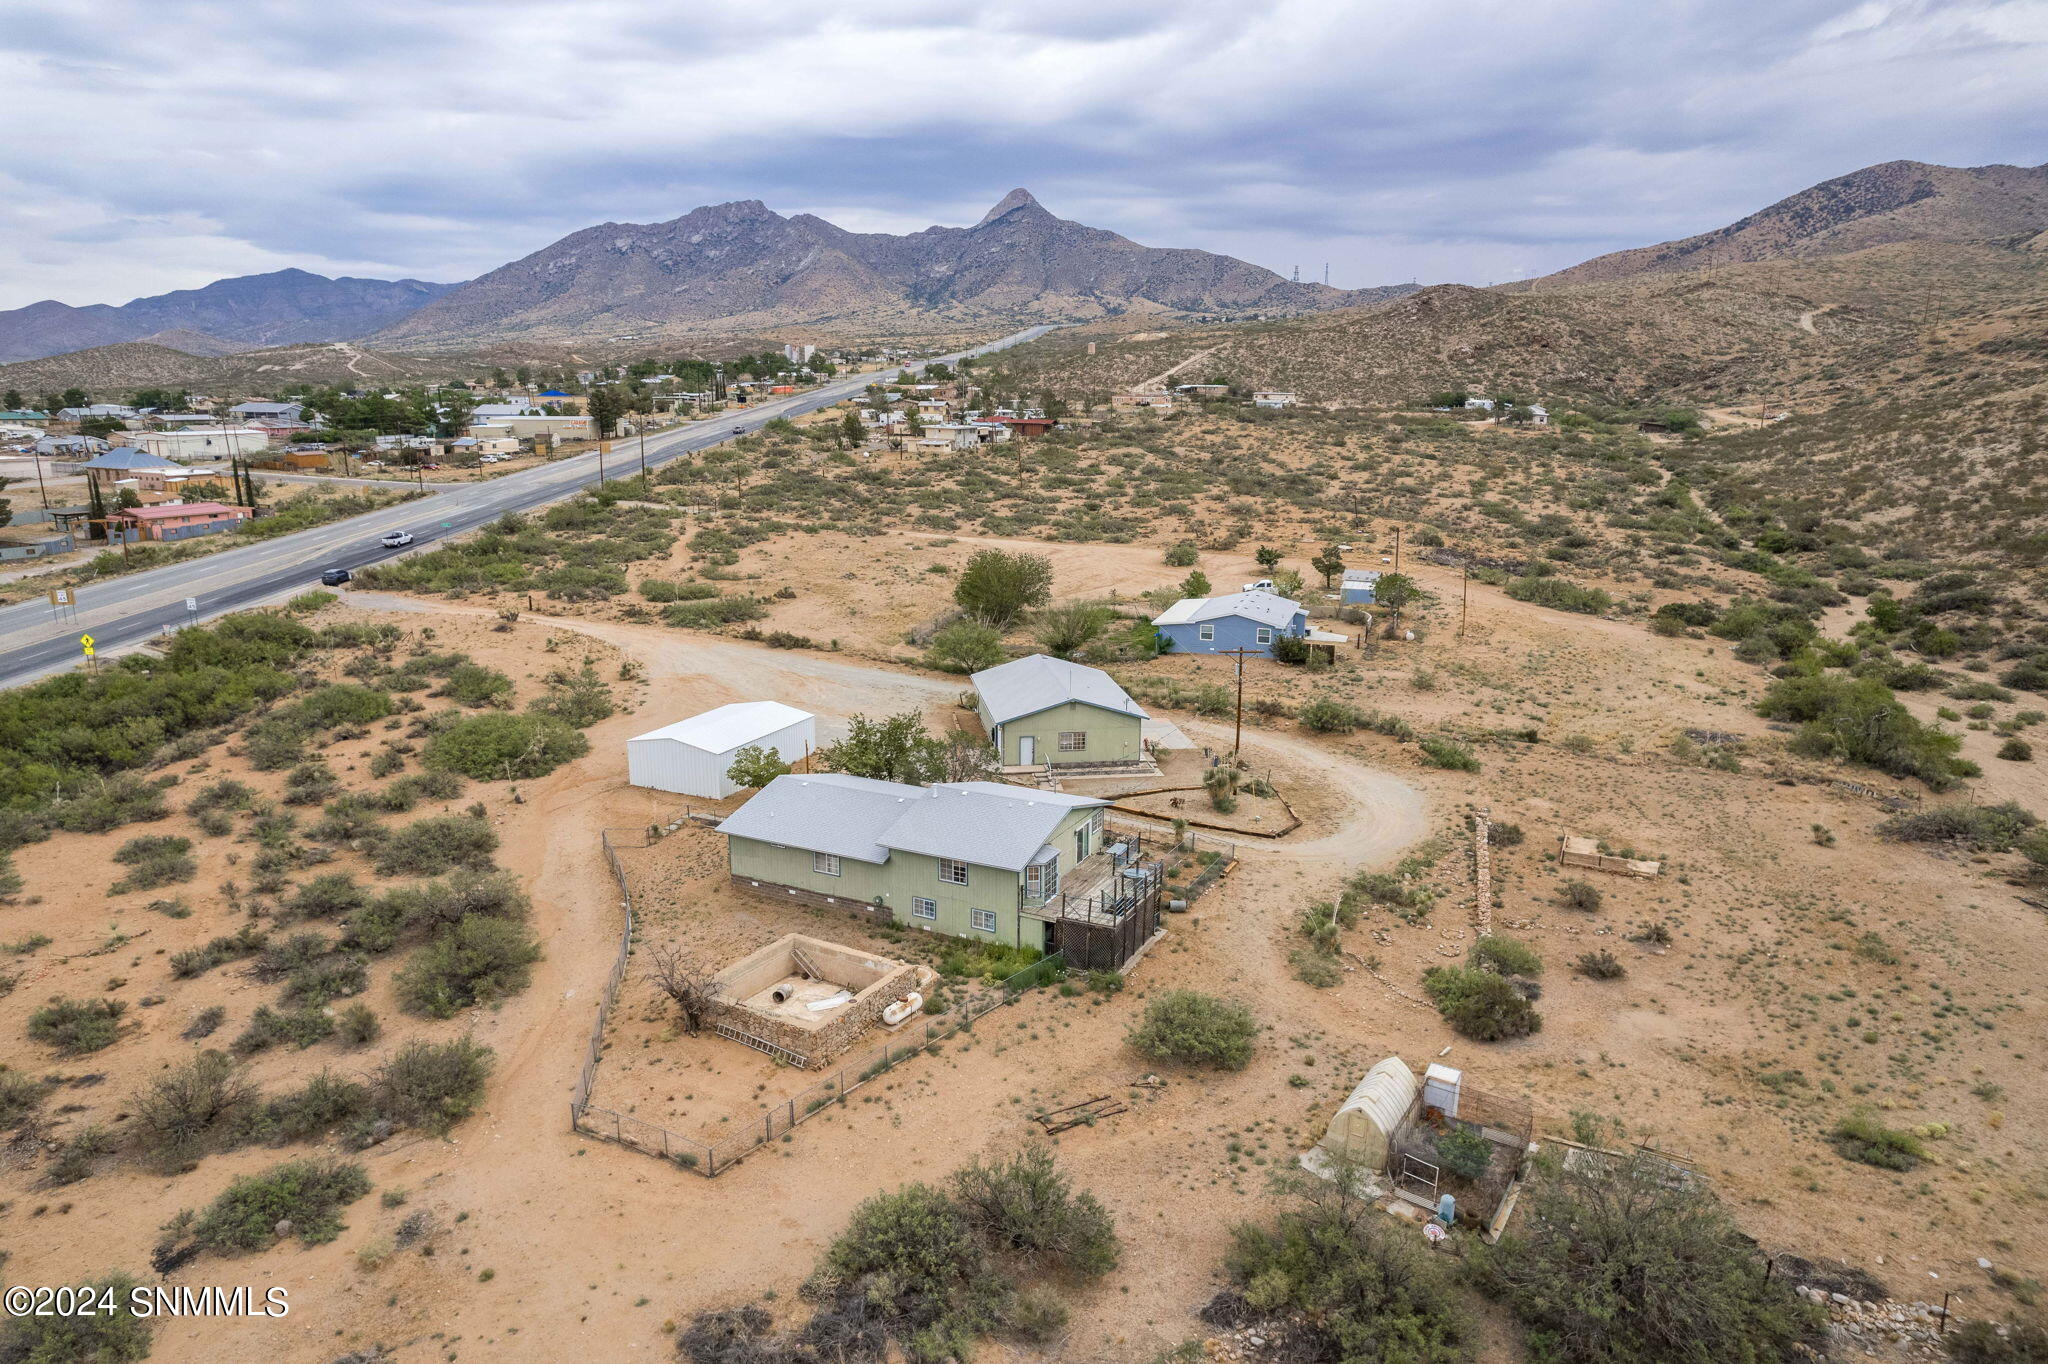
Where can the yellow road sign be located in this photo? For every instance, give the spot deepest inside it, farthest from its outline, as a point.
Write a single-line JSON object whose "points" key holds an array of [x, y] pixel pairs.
{"points": [[85, 642]]}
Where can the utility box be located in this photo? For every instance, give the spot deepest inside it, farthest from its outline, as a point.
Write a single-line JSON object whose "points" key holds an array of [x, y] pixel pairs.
{"points": [[1440, 1089]]}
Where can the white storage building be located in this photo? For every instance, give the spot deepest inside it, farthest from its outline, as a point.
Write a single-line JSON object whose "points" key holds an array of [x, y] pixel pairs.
{"points": [[691, 757], [1362, 1134]]}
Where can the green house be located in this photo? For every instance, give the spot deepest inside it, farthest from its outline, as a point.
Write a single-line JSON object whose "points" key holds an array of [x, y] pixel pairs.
{"points": [[1047, 710], [971, 859]]}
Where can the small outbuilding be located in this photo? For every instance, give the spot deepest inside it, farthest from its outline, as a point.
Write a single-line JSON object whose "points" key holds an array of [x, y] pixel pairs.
{"points": [[1362, 1134], [691, 757]]}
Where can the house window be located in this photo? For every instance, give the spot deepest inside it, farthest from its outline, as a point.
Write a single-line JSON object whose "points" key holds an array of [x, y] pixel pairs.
{"points": [[1073, 740], [922, 908], [983, 920], [1207, 632], [951, 872], [825, 864], [1265, 634], [1042, 879]]}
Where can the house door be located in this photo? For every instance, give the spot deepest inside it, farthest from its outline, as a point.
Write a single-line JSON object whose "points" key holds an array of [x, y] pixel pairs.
{"points": [[1081, 848], [1027, 749]]}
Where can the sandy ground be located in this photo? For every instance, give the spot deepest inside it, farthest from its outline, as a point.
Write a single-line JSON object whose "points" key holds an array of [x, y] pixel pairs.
{"points": [[1737, 1046]]}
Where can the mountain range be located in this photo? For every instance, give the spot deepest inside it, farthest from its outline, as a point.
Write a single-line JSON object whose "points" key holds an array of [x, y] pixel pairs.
{"points": [[741, 269], [281, 308], [742, 266]]}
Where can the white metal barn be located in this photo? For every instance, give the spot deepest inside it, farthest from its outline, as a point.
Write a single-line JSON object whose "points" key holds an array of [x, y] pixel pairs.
{"points": [[691, 757], [1363, 1131]]}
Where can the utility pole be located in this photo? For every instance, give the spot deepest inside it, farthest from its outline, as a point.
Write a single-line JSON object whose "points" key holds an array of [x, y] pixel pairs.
{"points": [[1237, 737], [41, 487], [1397, 549], [645, 487], [1464, 597]]}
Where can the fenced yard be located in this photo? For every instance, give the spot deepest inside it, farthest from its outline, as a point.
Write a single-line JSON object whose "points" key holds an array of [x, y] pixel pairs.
{"points": [[742, 1133]]}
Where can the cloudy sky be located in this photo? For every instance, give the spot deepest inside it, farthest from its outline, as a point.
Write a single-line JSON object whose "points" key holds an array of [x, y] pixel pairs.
{"points": [[161, 145]]}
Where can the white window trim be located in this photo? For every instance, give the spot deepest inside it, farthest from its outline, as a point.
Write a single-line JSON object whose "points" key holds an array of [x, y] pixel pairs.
{"points": [[923, 907], [945, 864], [825, 864], [982, 920], [1206, 633], [1265, 635]]}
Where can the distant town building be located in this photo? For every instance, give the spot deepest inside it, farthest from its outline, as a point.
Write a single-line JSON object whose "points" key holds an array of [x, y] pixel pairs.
{"points": [[1273, 398], [183, 520], [215, 442], [286, 412], [1160, 401], [1479, 404]]}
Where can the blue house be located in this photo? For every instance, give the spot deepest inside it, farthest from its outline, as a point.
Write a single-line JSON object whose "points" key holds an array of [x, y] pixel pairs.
{"points": [[1242, 620], [1361, 586]]}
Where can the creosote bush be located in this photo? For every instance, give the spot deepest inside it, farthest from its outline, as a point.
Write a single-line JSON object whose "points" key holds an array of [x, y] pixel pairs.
{"points": [[1197, 1029], [77, 1026], [1480, 1004], [498, 746]]}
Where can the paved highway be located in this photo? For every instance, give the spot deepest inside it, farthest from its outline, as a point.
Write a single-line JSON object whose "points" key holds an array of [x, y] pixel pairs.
{"points": [[128, 610]]}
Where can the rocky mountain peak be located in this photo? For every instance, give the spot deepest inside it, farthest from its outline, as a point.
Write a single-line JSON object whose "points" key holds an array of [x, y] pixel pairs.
{"points": [[1015, 199]]}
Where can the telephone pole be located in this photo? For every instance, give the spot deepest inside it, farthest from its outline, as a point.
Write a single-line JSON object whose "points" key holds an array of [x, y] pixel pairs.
{"points": [[1464, 597], [1397, 549], [1237, 736]]}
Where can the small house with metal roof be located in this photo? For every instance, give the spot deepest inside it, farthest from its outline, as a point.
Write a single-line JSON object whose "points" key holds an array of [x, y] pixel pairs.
{"points": [[1046, 710], [1241, 620], [972, 859]]}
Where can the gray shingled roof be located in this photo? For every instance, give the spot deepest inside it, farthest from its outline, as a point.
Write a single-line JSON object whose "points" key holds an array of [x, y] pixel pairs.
{"points": [[1026, 686], [984, 823], [1267, 608]]}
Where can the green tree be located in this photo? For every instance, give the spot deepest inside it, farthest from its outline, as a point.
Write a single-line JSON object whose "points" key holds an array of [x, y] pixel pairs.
{"points": [[1196, 584], [12, 401], [852, 432], [1067, 629], [965, 646], [1268, 557], [1329, 563], [607, 403], [74, 397], [896, 749], [1622, 1260], [998, 587], [1395, 591], [755, 766]]}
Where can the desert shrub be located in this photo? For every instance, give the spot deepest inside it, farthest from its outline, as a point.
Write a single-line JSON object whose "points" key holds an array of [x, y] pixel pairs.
{"points": [[77, 1026], [580, 698], [225, 794], [21, 1097], [323, 1103], [123, 799], [1860, 721], [1182, 555], [1197, 1029], [433, 1085], [1065, 630], [1560, 595], [1439, 751], [101, 1328], [310, 783], [439, 843], [1025, 1206], [1861, 1138], [1508, 956], [999, 587], [79, 1158], [1361, 1286], [154, 860], [1991, 1342], [1583, 895], [358, 1025], [267, 1027], [1500, 834], [723, 610], [309, 1194], [197, 1107], [965, 646], [1464, 1153], [1328, 715], [325, 897], [1480, 1004], [502, 747], [1617, 1262], [2016, 750], [476, 961], [1994, 828], [1599, 966], [474, 685], [245, 941]]}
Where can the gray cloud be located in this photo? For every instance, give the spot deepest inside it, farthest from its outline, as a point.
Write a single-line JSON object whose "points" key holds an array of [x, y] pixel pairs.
{"points": [[160, 145]]}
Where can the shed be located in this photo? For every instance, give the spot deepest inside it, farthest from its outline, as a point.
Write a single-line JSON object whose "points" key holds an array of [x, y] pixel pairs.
{"points": [[1362, 1134], [691, 757]]}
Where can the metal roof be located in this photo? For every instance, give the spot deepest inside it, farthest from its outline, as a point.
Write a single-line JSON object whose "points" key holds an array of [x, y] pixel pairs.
{"points": [[725, 728], [128, 457], [1026, 686], [979, 822], [1267, 608], [1361, 575]]}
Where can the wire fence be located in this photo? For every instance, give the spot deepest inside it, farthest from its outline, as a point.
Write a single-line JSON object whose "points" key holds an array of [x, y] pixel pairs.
{"points": [[749, 1131]]}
